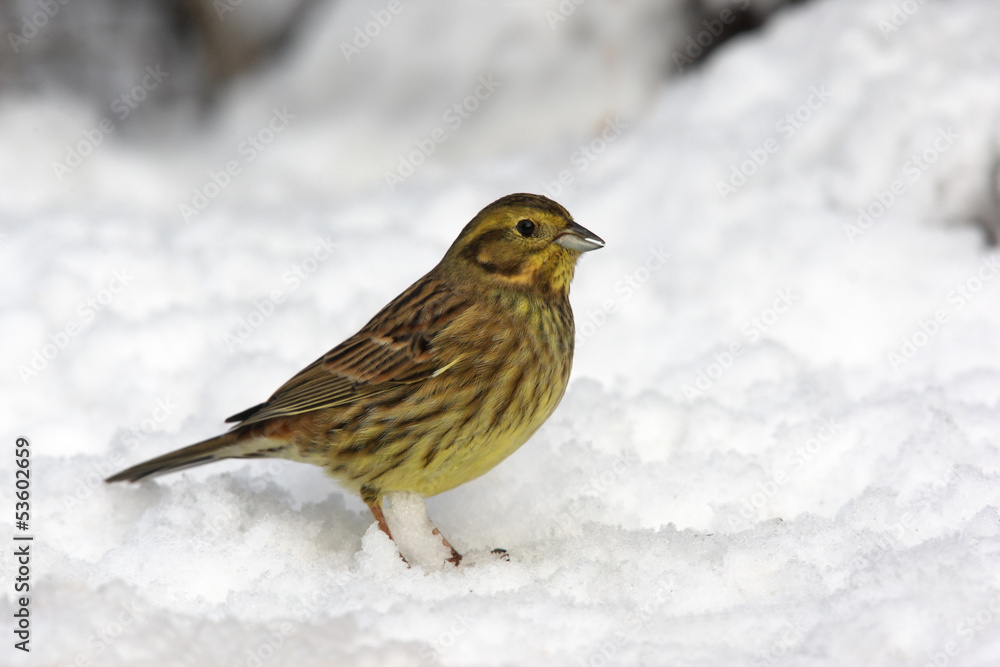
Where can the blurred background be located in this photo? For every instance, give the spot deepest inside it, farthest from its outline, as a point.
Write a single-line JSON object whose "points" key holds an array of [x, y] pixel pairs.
{"points": [[183, 82], [791, 339]]}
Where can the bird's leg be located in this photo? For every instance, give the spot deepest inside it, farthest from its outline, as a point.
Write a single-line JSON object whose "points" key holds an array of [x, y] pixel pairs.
{"points": [[374, 502], [455, 557], [380, 518], [376, 508]]}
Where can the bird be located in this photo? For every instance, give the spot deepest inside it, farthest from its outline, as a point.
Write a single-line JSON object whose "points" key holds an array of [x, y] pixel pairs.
{"points": [[444, 383]]}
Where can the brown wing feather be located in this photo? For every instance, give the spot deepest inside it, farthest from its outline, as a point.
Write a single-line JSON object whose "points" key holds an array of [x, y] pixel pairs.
{"points": [[395, 347]]}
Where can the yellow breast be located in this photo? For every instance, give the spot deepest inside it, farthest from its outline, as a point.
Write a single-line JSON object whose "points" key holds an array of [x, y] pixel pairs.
{"points": [[505, 376]]}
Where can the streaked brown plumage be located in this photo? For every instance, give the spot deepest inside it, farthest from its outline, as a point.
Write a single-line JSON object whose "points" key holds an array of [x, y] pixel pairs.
{"points": [[445, 382]]}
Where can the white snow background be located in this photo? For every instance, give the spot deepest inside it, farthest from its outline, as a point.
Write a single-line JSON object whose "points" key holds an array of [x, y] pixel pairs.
{"points": [[810, 499]]}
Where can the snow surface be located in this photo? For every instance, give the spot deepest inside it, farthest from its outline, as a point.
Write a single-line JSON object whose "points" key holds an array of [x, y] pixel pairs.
{"points": [[741, 472]]}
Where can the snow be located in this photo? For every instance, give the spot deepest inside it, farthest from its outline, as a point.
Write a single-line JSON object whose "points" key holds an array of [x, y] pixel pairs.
{"points": [[415, 535], [779, 445]]}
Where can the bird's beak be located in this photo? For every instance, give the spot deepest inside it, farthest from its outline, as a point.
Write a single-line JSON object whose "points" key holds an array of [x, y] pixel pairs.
{"points": [[579, 238]]}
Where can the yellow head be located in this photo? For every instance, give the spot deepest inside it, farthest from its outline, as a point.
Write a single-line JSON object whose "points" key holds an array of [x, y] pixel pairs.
{"points": [[520, 241]]}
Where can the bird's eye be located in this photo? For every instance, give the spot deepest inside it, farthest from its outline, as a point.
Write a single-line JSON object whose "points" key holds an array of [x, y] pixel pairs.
{"points": [[525, 228]]}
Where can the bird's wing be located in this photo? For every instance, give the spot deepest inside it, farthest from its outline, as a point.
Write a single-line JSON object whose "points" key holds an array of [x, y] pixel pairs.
{"points": [[396, 347]]}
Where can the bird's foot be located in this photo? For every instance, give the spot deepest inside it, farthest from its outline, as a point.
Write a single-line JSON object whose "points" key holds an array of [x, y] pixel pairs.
{"points": [[411, 531], [455, 557]]}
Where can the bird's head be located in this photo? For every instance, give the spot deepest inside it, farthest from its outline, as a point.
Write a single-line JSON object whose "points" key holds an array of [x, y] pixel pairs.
{"points": [[521, 241]]}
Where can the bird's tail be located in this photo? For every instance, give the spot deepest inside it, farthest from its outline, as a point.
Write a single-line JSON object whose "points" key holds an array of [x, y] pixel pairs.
{"points": [[235, 444]]}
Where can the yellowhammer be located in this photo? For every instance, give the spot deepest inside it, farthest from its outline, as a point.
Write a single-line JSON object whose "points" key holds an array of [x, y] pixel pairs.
{"points": [[444, 383]]}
